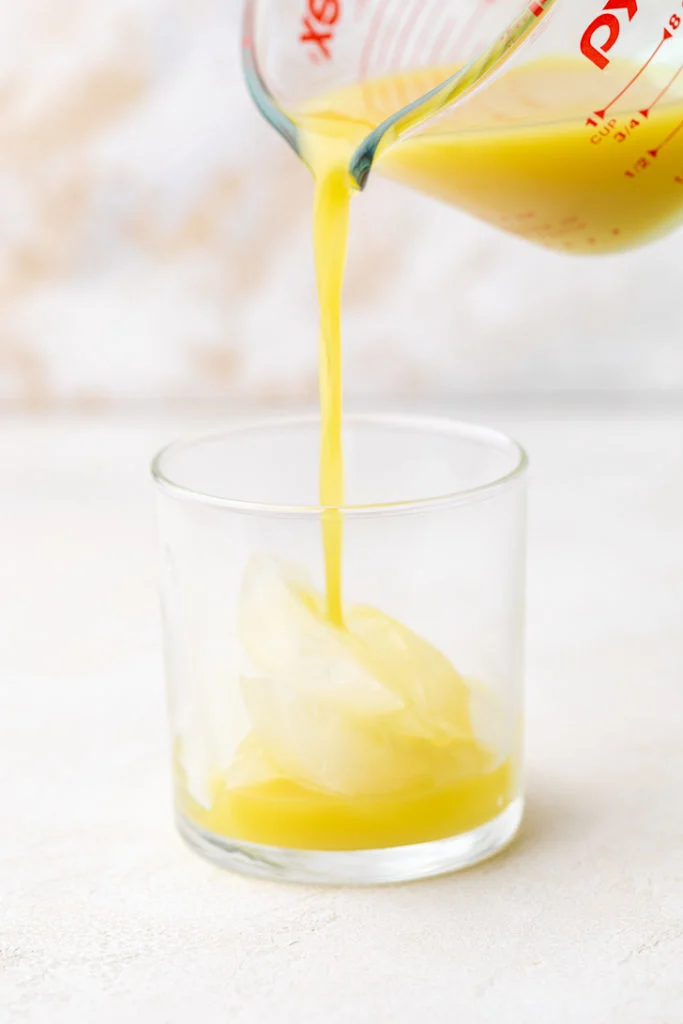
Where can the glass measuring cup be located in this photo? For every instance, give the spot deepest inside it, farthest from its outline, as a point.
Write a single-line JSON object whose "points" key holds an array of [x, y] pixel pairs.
{"points": [[562, 122]]}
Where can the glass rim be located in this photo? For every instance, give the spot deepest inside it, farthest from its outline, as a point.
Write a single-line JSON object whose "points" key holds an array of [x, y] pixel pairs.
{"points": [[440, 425]]}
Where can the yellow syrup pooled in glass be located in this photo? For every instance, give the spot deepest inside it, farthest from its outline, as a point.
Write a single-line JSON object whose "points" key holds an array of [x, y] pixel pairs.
{"points": [[363, 735]]}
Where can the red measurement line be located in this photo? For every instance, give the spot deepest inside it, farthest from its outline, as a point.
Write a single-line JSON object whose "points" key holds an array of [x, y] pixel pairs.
{"points": [[665, 37], [443, 42], [469, 25], [663, 93], [537, 8], [407, 30], [422, 38], [371, 37], [387, 43], [672, 135], [442, 24]]}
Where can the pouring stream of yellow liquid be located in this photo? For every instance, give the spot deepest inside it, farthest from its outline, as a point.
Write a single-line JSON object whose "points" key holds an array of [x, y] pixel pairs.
{"points": [[400, 756]]}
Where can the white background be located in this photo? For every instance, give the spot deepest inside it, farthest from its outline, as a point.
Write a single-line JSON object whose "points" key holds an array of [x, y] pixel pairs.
{"points": [[155, 243]]}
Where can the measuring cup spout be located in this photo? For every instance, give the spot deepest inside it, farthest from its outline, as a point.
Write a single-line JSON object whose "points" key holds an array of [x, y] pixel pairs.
{"points": [[269, 29]]}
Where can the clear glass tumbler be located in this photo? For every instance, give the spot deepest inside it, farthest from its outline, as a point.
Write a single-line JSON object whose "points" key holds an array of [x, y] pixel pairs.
{"points": [[385, 749]]}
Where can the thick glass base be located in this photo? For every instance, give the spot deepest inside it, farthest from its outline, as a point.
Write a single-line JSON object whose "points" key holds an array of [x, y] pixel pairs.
{"points": [[361, 867]]}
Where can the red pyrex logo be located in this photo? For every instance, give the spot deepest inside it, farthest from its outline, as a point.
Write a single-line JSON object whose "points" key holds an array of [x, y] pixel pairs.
{"points": [[319, 20], [594, 43]]}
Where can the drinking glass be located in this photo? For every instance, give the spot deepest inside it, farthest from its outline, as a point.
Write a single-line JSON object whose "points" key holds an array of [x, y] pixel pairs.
{"points": [[384, 749]]}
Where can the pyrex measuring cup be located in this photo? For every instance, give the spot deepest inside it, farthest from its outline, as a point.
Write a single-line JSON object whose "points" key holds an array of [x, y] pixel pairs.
{"points": [[559, 121]]}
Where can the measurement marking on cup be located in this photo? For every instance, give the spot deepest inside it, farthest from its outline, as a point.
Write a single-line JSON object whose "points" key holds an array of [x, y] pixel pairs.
{"points": [[319, 26], [627, 130], [469, 26], [601, 114], [386, 44], [670, 137], [646, 161], [401, 28], [595, 51], [409, 27], [466, 32], [537, 7], [648, 110], [422, 33], [441, 43], [440, 26], [371, 37], [605, 130], [672, 26]]}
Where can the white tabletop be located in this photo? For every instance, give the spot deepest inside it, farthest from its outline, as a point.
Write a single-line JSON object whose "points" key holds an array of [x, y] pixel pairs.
{"points": [[107, 918]]}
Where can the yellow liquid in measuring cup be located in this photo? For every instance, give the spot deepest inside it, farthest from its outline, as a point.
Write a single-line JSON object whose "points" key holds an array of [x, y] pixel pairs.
{"points": [[404, 750], [522, 155]]}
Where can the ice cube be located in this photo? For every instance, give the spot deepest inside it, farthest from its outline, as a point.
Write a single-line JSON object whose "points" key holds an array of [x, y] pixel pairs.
{"points": [[284, 631], [320, 747], [490, 720], [369, 708], [251, 766], [435, 695]]}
